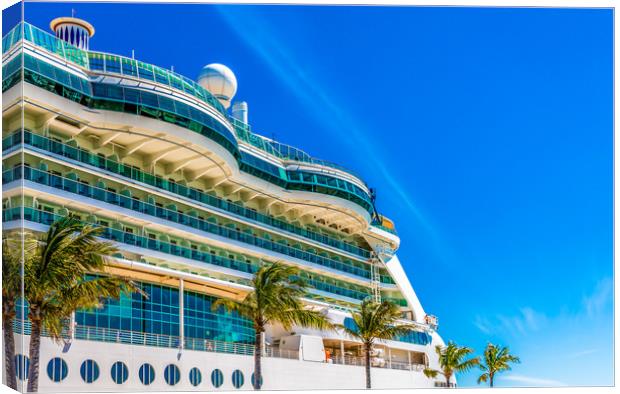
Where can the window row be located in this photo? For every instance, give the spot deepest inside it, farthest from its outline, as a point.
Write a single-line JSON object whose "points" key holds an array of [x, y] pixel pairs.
{"points": [[134, 173], [229, 230], [57, 371], [129, 100]]}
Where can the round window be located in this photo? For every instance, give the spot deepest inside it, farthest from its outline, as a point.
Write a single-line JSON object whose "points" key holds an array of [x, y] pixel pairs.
{"points": [[172, 374], [217, 378], [57, 369], [237, 378], [146, 374], [195, 377], [119, 372], [22, 364], [89, 371]]}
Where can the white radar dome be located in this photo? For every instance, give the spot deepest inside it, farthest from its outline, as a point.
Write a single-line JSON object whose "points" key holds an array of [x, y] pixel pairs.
{"points": [[220, 81]]}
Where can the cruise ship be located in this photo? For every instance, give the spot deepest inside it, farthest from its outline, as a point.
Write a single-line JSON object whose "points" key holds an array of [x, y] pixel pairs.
{"points": [[196, 201]]}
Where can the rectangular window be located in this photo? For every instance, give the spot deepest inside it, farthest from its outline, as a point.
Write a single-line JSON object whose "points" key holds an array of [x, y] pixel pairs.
{"points": [[129, 67], [112, 64]]}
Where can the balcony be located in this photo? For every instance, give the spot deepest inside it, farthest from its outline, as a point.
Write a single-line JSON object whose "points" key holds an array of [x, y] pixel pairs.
{"points": [[132, 173]]}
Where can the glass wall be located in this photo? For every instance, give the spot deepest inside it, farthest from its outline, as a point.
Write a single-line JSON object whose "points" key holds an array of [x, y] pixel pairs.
{"points": [[157, 312], [130, 100], [210, 225], [81, 155]]}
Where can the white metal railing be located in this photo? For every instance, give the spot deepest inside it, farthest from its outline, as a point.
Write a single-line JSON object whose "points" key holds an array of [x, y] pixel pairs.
{"points": [[102, 334], [377, 363], [281, 353]]}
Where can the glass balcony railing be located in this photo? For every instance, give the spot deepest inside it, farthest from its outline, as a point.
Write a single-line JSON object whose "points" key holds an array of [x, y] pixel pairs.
{"points": [[74, 186], [282, 151], [130, 100], [130, 172], [313, 280], [106, 63]]}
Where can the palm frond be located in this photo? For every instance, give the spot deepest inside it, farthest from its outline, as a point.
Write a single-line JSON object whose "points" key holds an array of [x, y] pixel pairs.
{"points": [[431, 373]]}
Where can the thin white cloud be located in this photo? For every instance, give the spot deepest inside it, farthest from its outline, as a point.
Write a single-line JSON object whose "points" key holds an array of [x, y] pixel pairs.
{"points": [[582, 353], [594, 303], [483, 324], [259, 36], [531, 380], [525, 321], [528, 319]]}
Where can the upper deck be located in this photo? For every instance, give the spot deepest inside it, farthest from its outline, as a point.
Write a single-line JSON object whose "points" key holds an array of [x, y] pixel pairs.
{"points": [[111, 82]]}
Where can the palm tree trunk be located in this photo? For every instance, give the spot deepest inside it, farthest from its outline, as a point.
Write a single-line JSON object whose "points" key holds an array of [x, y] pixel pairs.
{"points": [[448, 380], [490, 380], [258, 352], [9, 344], [34, 353], [367, 356]]}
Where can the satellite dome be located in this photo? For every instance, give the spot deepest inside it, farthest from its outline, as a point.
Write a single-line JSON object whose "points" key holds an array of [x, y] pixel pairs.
{"points": [[220, 81]]}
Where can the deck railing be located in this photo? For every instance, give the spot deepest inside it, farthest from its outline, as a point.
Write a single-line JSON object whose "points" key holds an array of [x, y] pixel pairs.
{"points": [[75, 153], [112, 335]]}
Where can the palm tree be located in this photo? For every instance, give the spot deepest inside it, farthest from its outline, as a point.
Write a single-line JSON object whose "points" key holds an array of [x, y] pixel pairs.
{"points": [[276, 298], [376, 321], [58, 280], [496, 359], [11, 291], [452, 360]]}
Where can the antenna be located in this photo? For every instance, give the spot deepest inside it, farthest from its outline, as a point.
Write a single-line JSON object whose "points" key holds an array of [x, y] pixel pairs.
{"points": [[73, 12], [172, 68], [133, 53]]}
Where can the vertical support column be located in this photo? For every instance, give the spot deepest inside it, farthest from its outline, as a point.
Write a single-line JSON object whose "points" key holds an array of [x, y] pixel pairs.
{"points": [[262, 339], [72, 326], [181, 314], [409, 360], [389, 351], [342, 351]]}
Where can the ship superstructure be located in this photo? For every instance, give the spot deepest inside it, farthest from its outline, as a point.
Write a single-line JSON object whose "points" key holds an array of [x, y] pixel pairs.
{"points": [[196, 202]]}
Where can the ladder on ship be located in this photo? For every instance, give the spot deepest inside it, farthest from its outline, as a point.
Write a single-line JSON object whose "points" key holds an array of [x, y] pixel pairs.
{"points": [[376, 262], [375, 277]]}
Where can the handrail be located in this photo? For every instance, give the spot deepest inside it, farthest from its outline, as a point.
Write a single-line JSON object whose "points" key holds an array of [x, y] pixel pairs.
{"points": [[281, 150], [44, 217], [114, 335], [78, 154], [128, 99], [181, 218], [97, 62]]}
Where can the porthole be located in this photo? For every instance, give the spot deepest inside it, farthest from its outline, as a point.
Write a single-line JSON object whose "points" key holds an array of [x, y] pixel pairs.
{"points": [[57, 369], [217, 378], [89, 371], [195, 377], [172, 374], [146, 374], [237, 378], [260, 381], [22, 364], [119, 372]]}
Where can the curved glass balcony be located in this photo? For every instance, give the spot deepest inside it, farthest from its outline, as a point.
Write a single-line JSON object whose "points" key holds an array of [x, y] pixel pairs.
{"points": [[150, 104], [280, 150], [85, 157], [134, 101], [318, 282], [108, 63], [73, 186]]}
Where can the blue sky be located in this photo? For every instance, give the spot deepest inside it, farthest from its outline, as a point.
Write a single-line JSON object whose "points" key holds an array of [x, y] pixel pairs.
{"points": [[487, 132]]}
